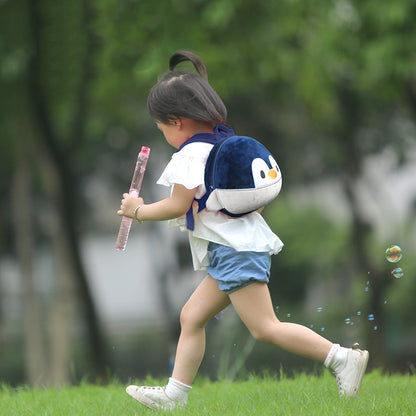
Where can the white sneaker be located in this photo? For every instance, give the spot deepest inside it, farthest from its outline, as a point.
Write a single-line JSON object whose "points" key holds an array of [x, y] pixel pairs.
{"points": [[350, 376], [153, 397]]}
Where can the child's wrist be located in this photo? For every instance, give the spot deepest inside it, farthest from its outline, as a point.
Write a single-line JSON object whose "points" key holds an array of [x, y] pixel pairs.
{"points": [[136, 210]]}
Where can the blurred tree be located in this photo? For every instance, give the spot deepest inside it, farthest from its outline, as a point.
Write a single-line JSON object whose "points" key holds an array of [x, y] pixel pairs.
{"points": [[59, 76], [22, 197], [361, 76], [50, 48]]}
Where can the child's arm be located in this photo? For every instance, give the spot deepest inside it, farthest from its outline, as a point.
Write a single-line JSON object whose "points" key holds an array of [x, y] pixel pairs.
{"points": [[169, 208]]}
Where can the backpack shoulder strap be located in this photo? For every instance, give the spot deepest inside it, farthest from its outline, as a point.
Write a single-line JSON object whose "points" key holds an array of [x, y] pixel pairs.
{"points": [[200, 138], [220, 131]]}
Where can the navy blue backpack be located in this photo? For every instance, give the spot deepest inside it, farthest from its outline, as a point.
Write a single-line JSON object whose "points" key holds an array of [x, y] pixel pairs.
{"points": [[241, 175]]}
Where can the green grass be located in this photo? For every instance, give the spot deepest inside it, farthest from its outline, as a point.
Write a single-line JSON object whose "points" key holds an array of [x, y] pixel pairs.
{"points": [[303, 395]]}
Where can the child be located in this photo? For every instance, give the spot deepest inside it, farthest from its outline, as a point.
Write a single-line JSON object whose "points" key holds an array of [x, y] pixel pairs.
{"points": [[235, 251]]}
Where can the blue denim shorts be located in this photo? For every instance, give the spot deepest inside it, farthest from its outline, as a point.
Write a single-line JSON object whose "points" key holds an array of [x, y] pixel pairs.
{"points": [[235, 269]]}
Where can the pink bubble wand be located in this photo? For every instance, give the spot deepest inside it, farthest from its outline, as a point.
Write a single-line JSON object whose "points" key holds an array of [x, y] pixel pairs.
{"points": [[136, 184]]}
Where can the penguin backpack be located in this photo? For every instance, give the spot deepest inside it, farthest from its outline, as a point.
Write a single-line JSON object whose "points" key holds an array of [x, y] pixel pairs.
{"points": [[241, 175]]}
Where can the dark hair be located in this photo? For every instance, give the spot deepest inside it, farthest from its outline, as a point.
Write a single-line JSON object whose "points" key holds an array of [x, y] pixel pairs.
{"points": [[185, 94]]}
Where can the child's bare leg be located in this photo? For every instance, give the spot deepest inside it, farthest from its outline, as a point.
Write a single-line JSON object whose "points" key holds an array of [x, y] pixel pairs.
{"points": [[254, 306], [206, 301]]}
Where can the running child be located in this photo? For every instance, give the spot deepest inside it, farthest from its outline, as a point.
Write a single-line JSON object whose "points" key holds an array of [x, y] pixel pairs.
{"points": [[235, 251]]}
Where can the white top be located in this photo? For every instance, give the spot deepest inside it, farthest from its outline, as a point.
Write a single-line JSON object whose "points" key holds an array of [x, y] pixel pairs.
{"points": [[247, 233]]}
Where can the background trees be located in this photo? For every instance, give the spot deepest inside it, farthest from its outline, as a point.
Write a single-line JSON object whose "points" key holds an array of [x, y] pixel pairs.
{"points": [[328, 86]]}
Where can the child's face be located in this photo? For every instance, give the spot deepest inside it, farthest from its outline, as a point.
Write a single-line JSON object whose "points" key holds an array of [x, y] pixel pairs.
{"points": [[172, 133]]}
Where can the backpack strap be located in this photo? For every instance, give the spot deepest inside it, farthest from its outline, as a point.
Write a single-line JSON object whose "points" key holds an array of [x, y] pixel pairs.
{"points": [[220, 131], [200, 138]]}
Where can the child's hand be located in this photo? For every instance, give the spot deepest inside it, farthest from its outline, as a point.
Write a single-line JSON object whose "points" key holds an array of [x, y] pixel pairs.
{"points": [[128, 205]]}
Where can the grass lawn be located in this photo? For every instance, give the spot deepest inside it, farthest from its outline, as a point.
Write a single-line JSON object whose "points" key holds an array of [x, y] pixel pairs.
{"points": [[304, 395]]}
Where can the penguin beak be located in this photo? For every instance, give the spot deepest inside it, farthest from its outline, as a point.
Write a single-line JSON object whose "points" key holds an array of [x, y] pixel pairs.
{"points": [[272, 174]]}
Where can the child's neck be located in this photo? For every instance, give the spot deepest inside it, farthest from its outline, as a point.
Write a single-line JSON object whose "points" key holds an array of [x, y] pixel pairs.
{"points": [[193, 127], [188, 128]]}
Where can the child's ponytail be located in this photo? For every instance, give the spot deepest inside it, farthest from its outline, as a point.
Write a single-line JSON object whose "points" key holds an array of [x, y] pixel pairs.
{"points": [[182, 94], [182, 56]]}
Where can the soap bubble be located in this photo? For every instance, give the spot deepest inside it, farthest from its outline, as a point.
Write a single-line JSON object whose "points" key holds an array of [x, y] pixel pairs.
{"points": [[371, 317], [288, 315], [347, 321], [394, 254], [375, 328], [358, 313], [319, 309], [398, 273]]}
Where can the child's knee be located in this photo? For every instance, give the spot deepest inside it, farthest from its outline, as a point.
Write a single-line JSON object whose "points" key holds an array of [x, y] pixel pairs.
{"points": [[265, 333], [190, 318], [261, 336]]}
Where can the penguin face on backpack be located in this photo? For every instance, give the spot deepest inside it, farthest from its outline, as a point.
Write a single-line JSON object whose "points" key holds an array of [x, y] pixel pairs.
{"points": [[241, 176], [265, 172]]}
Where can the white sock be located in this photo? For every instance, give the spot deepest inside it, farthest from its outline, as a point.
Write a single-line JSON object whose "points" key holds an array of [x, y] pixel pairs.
{"points": [[177, 391], [330, 356], [336, 357]]}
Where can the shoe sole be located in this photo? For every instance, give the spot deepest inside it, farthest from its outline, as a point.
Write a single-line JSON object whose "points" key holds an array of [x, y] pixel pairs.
{"points": [[362, 365]]}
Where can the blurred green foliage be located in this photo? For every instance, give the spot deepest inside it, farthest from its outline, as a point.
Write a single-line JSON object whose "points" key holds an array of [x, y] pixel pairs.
{"points": [[324, 84]]}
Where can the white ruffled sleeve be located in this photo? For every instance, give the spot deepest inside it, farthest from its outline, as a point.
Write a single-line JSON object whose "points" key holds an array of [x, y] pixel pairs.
{"points": [[187, 167]]}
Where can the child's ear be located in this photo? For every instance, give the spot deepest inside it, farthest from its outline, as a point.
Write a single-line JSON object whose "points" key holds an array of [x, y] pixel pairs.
{"points": [[174, 121], [179, 122]]}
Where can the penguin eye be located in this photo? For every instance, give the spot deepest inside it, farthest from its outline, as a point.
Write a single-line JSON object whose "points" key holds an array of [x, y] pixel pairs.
{"points": [[262, 174]]}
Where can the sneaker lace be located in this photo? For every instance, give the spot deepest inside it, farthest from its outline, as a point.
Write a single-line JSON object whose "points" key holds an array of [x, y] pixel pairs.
{"points": [[158, 388], [339, 383]]}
